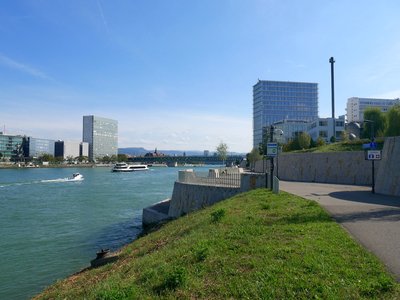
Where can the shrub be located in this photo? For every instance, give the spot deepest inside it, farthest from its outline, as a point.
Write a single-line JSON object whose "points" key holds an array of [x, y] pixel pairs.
{"points": [[217, 215], [176, 278]]}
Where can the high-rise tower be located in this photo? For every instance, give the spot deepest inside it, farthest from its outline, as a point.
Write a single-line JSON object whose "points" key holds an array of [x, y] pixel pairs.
{"points": [[275, 101], [102, 136]]}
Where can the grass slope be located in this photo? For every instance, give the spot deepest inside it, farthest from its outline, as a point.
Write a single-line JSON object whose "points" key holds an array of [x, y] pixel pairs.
{"points": [[341, 146], [256, 245]]}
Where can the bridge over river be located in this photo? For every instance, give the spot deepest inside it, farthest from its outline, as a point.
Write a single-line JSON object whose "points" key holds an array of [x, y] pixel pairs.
{"points": [[206, 160]]}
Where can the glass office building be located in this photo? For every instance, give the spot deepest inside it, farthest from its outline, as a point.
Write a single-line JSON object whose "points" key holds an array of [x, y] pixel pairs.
{"points": [[37, 147], [8, 145], [275, 101], [102, 136]]}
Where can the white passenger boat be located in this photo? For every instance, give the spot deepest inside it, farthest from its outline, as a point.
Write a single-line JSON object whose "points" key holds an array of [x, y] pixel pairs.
{"points": [[124, 167]]}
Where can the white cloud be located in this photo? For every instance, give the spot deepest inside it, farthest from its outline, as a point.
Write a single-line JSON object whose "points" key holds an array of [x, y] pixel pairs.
{"points": [[6, 61], [103, 19]]}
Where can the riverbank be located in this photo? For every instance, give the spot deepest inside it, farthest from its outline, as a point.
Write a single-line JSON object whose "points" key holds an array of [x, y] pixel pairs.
{"points": [[22, 166], [254, 245]]}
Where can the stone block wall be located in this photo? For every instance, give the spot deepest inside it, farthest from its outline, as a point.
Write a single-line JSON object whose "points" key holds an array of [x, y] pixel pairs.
{"points": [[387, 180], [332, 167]]}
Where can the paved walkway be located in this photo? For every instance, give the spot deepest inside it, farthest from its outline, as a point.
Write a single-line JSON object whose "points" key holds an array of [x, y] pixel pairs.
{"points": [[372, 219]]}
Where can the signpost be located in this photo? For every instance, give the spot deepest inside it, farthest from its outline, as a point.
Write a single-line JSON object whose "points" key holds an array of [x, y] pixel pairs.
{"points": [[373, 155], [272, 149]]}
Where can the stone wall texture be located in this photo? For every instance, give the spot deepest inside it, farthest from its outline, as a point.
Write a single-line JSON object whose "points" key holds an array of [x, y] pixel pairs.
{"points": [[187, 198], [387, 180], [334, 167]]}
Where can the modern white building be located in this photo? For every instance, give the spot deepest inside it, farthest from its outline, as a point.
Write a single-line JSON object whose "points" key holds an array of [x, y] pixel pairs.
{"points": [[72, 149], [323, 127], [356, 107], [102, 136]]}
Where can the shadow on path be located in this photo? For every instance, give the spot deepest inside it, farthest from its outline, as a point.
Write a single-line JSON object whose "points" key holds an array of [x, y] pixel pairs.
{"points": [[385, 215], [366, 197]]}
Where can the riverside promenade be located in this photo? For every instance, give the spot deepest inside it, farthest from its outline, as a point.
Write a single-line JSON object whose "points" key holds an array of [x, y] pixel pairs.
{"points": [[372, 219]]}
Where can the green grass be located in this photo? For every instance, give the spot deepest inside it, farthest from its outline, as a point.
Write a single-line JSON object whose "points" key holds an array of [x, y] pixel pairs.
{"points": [[341, 146], [256, 245]]}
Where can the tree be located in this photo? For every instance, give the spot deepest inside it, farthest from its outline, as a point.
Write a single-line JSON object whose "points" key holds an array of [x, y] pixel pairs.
{"points": [[393, 121], [291, 145], [254, 156], [70, 159], [344, 136], [83, 158], [222, 151], [46, 157], [122, 157], [304, 140], [320, 141], [378, 123]]}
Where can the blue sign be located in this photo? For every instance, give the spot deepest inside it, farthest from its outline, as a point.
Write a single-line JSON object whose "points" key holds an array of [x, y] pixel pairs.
{"points": [[272, 149], [374, 155], [372, 145]]}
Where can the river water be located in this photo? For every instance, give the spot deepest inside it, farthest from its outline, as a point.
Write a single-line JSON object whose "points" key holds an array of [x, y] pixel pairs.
{"points": [[51, 228]]}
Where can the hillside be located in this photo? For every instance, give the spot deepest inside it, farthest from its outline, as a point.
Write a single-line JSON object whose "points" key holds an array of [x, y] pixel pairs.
{"points": [[254, 245], [341, 146]]}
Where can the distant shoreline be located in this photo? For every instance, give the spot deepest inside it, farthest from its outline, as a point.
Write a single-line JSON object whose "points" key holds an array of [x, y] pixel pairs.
{"points": [[16, 166]]}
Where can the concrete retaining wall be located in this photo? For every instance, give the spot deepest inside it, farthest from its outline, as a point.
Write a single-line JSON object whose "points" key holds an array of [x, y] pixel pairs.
{"points": [[156, 213], [332, 167], [188, 197], [387, 181]]}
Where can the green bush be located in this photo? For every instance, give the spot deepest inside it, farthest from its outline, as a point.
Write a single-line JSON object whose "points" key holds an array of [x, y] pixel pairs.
{"points": [[176, 278], [217, 215]]}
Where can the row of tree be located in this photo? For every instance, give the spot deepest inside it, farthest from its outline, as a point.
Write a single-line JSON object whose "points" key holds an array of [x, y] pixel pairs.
{"points": [[383, 123], [81, 159]]}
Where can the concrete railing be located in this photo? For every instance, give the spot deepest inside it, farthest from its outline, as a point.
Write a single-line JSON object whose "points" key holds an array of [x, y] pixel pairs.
{"points": [[193, 191], [225, 177]]}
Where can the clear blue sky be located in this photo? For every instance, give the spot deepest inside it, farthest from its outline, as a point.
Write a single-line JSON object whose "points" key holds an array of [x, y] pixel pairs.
{"points": [[179, 74]]}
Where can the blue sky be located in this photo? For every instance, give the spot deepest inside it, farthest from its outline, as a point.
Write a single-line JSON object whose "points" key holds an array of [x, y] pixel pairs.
{"points": [[179, 74]]}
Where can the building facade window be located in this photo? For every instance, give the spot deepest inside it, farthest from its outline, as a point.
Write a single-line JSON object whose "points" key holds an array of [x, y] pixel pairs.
{"points": [[102, 136], [275, 101]]}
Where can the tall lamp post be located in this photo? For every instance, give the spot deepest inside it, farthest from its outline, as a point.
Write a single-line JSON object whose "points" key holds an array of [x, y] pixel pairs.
{"points": [[372, 144], [332, 61]]}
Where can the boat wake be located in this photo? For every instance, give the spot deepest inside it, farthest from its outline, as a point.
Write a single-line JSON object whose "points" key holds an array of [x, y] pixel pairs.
{"points": [[58, 180]]}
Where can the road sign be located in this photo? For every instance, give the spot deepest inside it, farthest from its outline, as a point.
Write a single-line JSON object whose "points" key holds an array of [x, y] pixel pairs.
{"points": [[374, 155], [372, 145], [272, 149]]}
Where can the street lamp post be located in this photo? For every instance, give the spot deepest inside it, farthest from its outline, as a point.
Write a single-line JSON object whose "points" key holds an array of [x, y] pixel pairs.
{"points": [[332, 61]]}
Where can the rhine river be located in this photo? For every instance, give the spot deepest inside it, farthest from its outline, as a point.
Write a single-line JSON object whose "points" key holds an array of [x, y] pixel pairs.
{"points": [[50, 228]]}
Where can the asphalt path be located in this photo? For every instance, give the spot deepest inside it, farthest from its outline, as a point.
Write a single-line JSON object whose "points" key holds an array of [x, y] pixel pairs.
{"points": [[372, 219]]}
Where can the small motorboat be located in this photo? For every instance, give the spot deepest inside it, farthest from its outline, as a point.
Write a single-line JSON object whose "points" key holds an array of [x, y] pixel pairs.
{"points": [[76, 177]]}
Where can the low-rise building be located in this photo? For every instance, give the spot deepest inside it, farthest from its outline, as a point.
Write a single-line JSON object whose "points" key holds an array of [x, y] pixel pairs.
{"points": [[323, 127], [356, 107], [74, 149], [36, 147], [10, 145]]}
